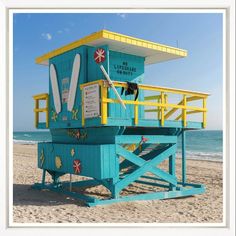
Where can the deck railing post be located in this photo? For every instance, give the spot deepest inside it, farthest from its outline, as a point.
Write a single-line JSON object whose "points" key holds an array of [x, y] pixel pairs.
{"points": [[158, 109], [204, 113], [36, 114], [136, 114], [162, 109], [103, 104]]}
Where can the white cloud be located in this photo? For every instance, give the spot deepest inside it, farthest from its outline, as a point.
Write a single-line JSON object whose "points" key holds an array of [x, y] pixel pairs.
{"points": [[59, 31], [46, 36], [122, 15], [66, 29]]}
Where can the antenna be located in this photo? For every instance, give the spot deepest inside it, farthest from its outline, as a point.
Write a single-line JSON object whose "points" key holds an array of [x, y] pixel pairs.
{"points": [[177, 43]]}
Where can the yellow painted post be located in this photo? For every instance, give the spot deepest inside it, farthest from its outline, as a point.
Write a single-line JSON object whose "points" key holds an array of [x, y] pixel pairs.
{"points": [[184, 112], [162, 109], [36, 114], [135, 114], [158, 109], [103, 104], [166, 101], [204, 113], [47, 115]]}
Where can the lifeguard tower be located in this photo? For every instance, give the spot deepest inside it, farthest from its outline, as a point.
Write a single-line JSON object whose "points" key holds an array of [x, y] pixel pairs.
{"points": [[108, 125]]}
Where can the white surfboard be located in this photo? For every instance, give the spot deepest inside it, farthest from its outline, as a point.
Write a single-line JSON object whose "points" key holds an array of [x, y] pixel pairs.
{"points": [[112, 86], [55, 89], [73, 82]]}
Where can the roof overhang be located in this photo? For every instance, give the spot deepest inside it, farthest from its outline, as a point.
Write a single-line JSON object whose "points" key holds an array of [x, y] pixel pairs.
{"points": [[153, 52]]}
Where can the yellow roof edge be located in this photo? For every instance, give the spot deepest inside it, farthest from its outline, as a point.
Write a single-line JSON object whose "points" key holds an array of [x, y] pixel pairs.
{"points": [[107, 34], [113, 36]]}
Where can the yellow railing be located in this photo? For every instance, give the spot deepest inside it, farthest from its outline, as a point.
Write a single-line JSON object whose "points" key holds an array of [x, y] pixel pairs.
{"points": [[156, 98], [37, 110], [162, 107]]}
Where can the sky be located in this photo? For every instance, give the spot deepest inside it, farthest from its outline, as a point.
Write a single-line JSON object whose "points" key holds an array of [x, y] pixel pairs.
{"points": [[201, 34]]}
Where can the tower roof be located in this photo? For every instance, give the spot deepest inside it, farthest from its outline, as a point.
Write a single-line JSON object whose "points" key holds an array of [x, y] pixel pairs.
{"points": [[153, 52]]}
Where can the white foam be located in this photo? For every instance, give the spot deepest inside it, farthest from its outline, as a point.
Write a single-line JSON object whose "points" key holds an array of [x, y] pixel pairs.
{"points": [[209, 156], [25, 141]]}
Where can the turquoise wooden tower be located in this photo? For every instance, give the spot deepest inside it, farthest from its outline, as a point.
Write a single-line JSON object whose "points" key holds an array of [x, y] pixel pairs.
{"points": [[108, 125]]}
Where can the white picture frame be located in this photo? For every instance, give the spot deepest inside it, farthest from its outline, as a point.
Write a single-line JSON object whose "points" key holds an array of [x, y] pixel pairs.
{"points": [[6, 120]]}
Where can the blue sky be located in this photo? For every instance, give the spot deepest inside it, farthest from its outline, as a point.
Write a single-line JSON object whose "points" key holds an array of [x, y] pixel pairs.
{"points": [[200, 34]]}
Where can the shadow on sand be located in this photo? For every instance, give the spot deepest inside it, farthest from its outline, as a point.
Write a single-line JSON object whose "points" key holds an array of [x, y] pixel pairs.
{"points": [[23, 194]]}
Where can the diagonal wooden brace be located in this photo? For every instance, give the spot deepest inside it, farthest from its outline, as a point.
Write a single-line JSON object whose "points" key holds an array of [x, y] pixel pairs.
{"points": [[145, 166]]}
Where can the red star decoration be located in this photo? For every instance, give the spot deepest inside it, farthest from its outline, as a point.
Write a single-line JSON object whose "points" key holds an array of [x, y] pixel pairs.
{"points": [[77, 166], [99, 55]]}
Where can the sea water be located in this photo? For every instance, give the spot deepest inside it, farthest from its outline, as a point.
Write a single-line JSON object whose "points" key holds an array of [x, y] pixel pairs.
{"points": [[202, 145]]}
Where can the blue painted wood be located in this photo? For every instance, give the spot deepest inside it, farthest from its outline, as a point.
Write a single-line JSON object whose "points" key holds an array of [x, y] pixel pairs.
{"points": [[94, 71], [102, 135], [152, 184], [97, 161], [131, 139], [83, 183], [151, 196], [144, 166], [155, 150], [42, 125], [96, 122], [172, 168], [63, 64], [125, 67], [91, 201]]}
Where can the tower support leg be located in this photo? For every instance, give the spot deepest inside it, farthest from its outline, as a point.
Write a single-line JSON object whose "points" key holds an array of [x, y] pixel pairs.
{"points": [[172, 170], [43, 177]]}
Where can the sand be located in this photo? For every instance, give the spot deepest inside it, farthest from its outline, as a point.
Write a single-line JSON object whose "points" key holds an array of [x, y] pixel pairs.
{"points": [[34, 206]]}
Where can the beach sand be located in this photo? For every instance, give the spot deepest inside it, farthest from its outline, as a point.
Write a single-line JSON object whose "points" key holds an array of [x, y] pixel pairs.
{"points": [[34, 206]]}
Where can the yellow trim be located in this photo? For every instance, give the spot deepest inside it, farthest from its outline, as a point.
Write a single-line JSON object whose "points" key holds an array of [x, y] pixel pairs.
{"points": [[162, 109], [100, 82], [37, 110], [105, 34], [150, 88], [160, 102], [188, 113], [158, 99], [40, 110], [184, 114], [136, 114], [42, 96], [143, 43], [103, 105], [36, 117], [162, 89], [151, 110], [204, 113], [193, 98], [110, 100]]}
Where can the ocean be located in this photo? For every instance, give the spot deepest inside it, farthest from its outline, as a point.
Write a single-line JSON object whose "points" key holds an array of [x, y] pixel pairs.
{"points": [[202, 145]]}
